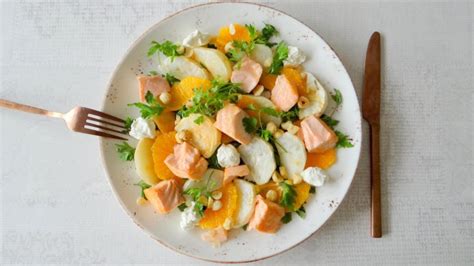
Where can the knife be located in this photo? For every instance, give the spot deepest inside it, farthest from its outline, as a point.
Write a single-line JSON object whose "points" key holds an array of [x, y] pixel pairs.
{"points": [[371, 113]]}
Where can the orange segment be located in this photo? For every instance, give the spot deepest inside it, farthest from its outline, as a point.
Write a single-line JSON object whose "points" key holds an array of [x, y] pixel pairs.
{"points": [[241, 34], [268, 81], [183, 91], [165, 121], [163, 146], [322, 160], [294, 76], [215, 219], [302, 192], [244, 102]]}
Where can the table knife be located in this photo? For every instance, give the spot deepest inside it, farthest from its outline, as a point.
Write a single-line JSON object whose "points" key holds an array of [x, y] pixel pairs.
{"points": [[371, 113]]}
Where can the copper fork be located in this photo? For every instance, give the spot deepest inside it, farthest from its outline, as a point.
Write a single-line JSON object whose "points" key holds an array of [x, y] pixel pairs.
{"points": [[79, 119]]}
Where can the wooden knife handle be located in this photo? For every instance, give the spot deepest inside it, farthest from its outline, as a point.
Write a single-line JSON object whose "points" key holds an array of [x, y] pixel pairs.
{"points": [[376, 210]]}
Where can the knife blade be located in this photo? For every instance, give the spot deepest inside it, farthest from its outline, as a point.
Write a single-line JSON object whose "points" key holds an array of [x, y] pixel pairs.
{"points": [[371, 113]]}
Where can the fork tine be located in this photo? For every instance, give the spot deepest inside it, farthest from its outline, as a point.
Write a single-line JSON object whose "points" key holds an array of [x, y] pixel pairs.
{"points": [[105, 122], [104, 128], [100, 133], [104, 115]]}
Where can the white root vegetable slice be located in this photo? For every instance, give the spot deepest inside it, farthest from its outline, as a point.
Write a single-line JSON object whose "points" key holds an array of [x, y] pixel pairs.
{"points": [[318, 98], [203, 136], [144, 161], [215, 61], [182, 67], [292, 153], [245, 202], [258, 156]]}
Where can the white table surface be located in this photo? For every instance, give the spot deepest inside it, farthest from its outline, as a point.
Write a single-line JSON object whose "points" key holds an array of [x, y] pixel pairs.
{"points": [[57, 207]]}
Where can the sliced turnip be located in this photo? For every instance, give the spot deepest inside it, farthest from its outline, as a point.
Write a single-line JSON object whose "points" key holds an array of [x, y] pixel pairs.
{"points": [[292, 153], [258, 156], [318, 98]]}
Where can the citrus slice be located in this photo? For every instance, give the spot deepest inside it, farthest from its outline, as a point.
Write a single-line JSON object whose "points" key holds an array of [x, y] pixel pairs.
{"points": [[295, 78], [163, 146], [183, 91], [215, 219], [322, 160], [165, 121], [226, 34]]}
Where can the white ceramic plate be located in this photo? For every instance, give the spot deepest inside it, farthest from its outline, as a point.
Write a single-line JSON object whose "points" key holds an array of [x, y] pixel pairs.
{"points": [[242, 246]]}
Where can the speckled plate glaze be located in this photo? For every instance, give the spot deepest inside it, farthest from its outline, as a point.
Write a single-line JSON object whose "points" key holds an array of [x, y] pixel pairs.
{"points": [[242, 246]]}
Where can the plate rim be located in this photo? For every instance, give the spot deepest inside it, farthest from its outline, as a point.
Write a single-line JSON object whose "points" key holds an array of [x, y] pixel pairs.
{"points": [[101, 140]]}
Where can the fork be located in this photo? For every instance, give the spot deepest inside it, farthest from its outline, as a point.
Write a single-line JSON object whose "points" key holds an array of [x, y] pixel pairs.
{"points": [[79, 119]]}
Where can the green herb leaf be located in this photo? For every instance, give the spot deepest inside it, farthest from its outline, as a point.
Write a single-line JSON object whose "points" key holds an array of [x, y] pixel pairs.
{"points": [[126, 152], [194, 192], [182, 207], [281, 53], [127, 124], [267, 32], [168, 48], [199, 120], [288, 195], [213, 162], [251, 107], [270, 111], [250, 124], [252, 31], [152, 73], [329, 121], [151, 108], [337, 97], [291, 115], [343, 140], [143, 186], [211, 101], [301, 212], [286, 218], [266, 135], [312, 190], [171, 79]]}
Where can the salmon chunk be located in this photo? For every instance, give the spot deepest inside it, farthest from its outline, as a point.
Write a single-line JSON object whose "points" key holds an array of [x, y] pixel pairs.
{"points": [[318, 137], [266, 217], [284, 94], [186, 162], [247, 75], [165, 195], [154, 84], [235, 171], [229, 121], [215, 236]]}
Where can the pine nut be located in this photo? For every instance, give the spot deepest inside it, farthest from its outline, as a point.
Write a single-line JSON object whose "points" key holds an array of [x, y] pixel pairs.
{"points": [[181, 136], [228, 46], [258, 90], [141, 201], [227, 224], [271, 195], [216, 195], [283, 171], [217, 205], [276, 177], [165, 97], [267, 94], [286, 125], [293, 129], [303, 102], [271, 127], [278, 133], [210, 201], [267, 62], [297, 179], [180, 49]]}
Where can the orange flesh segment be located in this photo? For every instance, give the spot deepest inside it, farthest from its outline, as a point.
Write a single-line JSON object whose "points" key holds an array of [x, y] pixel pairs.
{"points": [[322, 160], [268, 81], [244, 102], [241, 34], [183, 91], [214, 219], [165, 121], [301, 189], [294, 76], [163, 146]]}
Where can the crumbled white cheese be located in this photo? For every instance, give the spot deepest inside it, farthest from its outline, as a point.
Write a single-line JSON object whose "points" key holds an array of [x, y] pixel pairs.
{"points": [[227, 156], [189, 217], [143, 128], [196, 39], [295, 57], [314, 176]]}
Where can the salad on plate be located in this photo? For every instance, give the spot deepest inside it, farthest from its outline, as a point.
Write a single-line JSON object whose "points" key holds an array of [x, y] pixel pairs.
{"points": [[232, 132]]}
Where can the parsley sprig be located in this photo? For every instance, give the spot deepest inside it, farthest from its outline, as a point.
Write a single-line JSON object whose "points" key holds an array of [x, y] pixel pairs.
{"points": [[167, 48], [126, 152], [288, 195], [151, 108], [208, 102], [281, 53], [343, 140], [143, 185], [171, 79], [242, 48], [127, 124]]}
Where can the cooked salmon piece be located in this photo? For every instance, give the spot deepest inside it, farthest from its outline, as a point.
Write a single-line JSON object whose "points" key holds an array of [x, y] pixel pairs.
{"points": [[318, 137], [186, 161], [266, 217], [284, 94], [229, 121], [235, 171], [247, 75], [165, 195], [154, 84], [215, 236]]}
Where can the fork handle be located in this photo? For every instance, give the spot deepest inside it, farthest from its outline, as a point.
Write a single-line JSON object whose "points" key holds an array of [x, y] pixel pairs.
{"points": [[28, 109]]}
